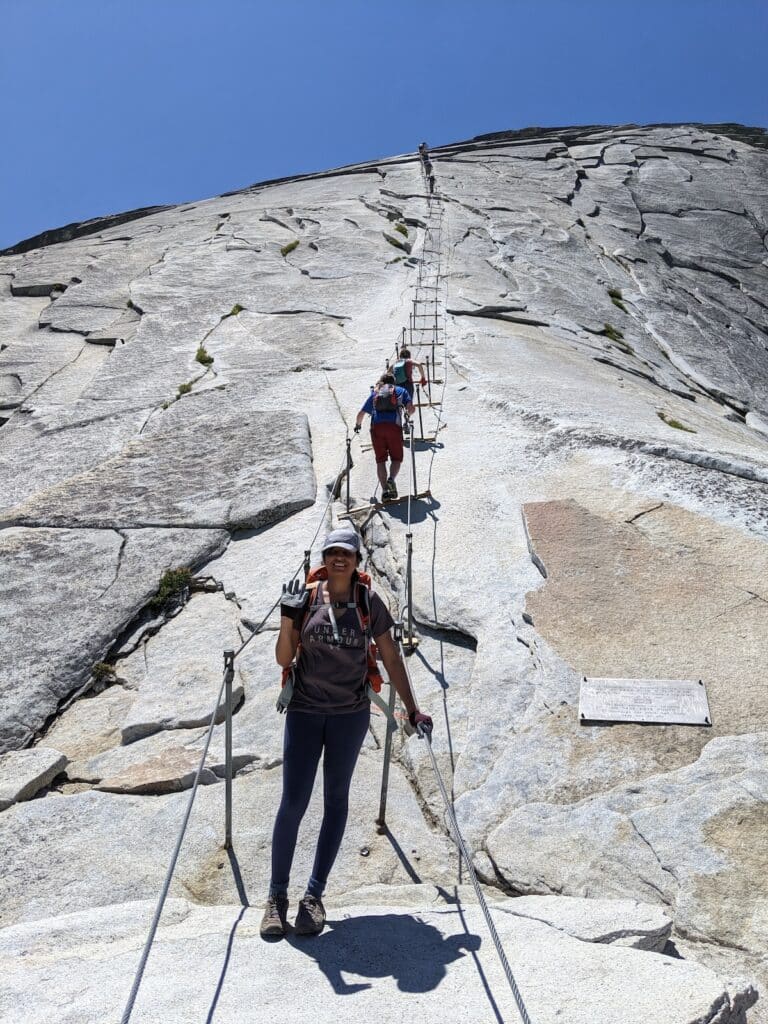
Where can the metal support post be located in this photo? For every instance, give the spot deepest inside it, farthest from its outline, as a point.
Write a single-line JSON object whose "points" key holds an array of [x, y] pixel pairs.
{"points": [[409, 586], [381, 821], [402, 345], [413, 462], [421, 428], [349, 469], [229, 675]]}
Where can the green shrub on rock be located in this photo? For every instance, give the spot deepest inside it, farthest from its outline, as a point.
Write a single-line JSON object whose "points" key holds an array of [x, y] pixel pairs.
{"points": [[672, 422], [172, 584], [203, 356], [617, 299]]}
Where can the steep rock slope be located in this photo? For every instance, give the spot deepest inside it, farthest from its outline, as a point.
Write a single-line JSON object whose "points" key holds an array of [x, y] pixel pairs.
{"points": [[173, 389]]}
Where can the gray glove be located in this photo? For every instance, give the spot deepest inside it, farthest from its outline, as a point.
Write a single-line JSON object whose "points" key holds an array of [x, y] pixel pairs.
{"points": [[421, 723], [294, 599]]}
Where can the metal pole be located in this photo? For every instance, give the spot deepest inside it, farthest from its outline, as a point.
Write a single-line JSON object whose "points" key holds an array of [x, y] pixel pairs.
{"points": [[409, 586], [381, 821], [402, 345], [349, 470], [421, 428], [413, 463], [229, 675]]}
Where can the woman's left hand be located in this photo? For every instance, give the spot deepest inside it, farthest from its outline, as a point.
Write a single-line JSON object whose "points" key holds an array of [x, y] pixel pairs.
{"points": [[418, 718]]}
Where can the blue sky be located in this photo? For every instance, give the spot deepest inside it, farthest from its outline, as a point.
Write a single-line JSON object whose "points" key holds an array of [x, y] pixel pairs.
{"points": [[109, 105]]}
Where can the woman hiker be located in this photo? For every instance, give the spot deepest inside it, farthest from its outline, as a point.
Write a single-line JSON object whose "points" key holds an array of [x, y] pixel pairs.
{"points": [[327, 714]]}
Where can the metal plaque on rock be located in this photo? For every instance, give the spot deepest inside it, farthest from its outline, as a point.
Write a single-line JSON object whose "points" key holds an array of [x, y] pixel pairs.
{"points": [[670, 701]]}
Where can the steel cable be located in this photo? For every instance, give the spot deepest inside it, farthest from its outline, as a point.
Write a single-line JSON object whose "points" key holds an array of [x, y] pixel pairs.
{"points": [[457, 836], [171, 868], [193, 792], [462, 846]]}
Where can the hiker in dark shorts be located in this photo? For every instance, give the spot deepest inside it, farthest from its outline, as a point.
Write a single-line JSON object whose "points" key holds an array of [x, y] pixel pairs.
{"points": [[326, 627], [402, 371], [384, 406]]}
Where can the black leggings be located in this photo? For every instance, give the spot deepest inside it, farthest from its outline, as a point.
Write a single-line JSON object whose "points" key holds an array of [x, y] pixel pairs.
{"points": [[306, 737]]}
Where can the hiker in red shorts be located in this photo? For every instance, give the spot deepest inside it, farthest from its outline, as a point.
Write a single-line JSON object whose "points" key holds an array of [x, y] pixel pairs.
{"points": [[384, 406]]}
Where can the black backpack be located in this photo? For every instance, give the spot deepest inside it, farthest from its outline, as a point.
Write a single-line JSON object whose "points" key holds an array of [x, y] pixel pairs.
{"points": [[385, 399]]}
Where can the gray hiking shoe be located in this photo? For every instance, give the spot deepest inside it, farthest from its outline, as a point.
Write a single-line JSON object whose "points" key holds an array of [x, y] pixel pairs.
{"points": [[391, 488], [310, 919], [274, 922]]}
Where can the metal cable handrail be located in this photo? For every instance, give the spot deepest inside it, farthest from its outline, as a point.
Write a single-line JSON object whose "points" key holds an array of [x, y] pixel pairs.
{"points": [[171, 868], [426, 734], [463, 850], [193, 792]]}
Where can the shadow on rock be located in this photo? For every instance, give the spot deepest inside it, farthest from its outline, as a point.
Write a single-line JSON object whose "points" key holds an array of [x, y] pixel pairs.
{"points": [[414, 953]]}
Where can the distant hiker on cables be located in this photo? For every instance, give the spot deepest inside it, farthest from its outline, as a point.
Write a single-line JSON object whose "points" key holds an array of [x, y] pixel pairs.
{"points": [[384, 405], [402, 371], [330, 629]]}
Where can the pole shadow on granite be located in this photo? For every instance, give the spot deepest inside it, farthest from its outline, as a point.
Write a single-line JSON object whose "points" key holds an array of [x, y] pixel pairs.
{"points": [[411, 951], [244, 905], [401, 855], [420, 509]]}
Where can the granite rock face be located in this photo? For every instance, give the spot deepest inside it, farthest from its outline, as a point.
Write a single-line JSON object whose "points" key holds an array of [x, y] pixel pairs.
{"points": [[176, 390], [24, 772], [437, 959]]}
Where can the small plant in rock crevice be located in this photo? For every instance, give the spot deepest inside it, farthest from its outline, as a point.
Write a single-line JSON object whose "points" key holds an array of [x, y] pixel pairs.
{"points": [[103, 672], [404, 246], [173, 584], [402, 229], [203, 356], [617, 299], [289, 247], [184, 389], [625, 347], [237, 308], [613, 333], [672, 422]]}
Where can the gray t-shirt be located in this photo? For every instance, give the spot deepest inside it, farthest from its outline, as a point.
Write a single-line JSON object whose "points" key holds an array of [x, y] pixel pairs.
{"points": [[330, 677]]}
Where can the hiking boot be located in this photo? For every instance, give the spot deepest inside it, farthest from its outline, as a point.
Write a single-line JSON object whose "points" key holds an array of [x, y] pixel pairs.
{"points": [[310, 919], [273, 924], [392, 488]]}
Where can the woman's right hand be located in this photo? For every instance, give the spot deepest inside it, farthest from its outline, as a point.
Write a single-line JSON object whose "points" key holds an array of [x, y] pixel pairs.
{"points": [[294, 598]]}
